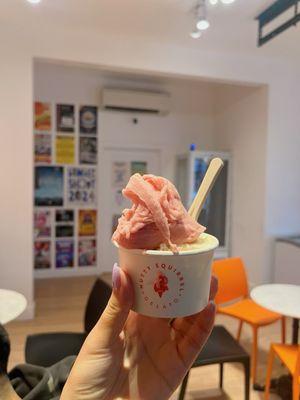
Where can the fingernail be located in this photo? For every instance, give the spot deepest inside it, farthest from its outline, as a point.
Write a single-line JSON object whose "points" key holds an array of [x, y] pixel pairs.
{"points": [[116, 277]]}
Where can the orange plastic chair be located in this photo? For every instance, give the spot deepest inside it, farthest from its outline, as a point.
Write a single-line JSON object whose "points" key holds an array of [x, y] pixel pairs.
{"points": [[290, 356], [233, 289]]}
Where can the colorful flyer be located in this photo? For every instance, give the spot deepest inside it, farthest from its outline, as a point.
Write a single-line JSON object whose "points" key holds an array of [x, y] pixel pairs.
{"points": [[88, 120], [42, 254], [42, 117], [64, 257], [81, 186], [115, 221], [88, 150], [65, 118], [64, 216], [120, 174], [48, 186], [87, 253], [65, 150], [64, 231], [87, 222], [42, 224], [42, 148], [139, 167]]}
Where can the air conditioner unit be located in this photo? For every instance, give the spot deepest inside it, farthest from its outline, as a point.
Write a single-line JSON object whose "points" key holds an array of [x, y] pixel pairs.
{"points": [[135, 101]]}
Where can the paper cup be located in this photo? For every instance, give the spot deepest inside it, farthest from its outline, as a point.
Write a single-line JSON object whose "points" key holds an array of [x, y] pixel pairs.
{"points": [[170, 285]]}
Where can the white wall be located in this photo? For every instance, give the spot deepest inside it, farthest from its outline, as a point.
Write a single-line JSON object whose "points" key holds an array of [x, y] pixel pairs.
{"points": [[241, 127], [19, 45]]}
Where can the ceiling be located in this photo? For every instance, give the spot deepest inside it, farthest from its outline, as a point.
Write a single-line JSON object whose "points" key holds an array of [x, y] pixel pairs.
{"points": [[233, 28]]}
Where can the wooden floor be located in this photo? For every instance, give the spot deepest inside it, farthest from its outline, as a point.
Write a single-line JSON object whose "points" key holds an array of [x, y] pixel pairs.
{"points": [[60, 305]]}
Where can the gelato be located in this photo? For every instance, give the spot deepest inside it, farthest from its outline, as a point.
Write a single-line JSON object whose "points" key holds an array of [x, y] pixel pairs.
{"points": [[157, 216]]}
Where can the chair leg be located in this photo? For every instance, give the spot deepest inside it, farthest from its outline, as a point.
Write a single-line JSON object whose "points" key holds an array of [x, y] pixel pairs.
{"points": [[247, 378], [183, 387], [254, 355], [269, 372], [296, 387], [221, 375], [238, 336], [283, 330]]}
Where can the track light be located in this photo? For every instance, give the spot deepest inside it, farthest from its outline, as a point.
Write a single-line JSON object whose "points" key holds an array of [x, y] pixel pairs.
{"points": [[34, 1], [213, 2], [227, 1], [202, 22], [195, 34]]}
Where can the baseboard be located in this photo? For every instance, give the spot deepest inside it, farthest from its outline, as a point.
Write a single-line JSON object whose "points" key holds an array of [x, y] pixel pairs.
{"points": [[28, 313]]}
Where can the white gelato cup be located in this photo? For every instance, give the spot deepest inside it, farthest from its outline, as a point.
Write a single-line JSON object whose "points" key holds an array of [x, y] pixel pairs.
{"points": [[170, 285]]}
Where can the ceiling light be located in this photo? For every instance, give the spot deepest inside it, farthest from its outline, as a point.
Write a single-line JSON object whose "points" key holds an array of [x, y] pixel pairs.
{"points": [[213, 2], [34, 1], [203, 24], [227, 1], [195, 34]]}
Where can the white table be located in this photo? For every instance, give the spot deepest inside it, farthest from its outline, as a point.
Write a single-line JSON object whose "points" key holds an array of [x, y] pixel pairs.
{"points": [[281, 298], [12, 304]]}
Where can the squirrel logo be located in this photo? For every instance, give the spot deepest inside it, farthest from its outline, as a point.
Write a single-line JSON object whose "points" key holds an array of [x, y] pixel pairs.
{"points": [[161, 284]]}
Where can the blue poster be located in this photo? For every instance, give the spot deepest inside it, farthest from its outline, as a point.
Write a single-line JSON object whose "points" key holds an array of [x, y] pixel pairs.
{"points": [[48, 190], [64, 254]]}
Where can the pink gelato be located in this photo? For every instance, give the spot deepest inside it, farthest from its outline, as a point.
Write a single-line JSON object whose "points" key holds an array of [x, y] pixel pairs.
{"points": [[156, 217]]}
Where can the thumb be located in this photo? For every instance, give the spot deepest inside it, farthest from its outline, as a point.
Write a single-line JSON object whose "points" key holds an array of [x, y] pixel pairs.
{"points": [[112, 321]]}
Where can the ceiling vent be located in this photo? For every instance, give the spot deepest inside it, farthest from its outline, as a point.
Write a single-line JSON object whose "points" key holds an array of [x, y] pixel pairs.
{"points": [[135, 101]]}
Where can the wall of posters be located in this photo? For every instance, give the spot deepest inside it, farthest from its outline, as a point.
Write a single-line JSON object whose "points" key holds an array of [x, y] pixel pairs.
{"points": [[42, 254], [88, 120], [139, 167], [42, 148], [87, 253], [42, 116], [87, 222], [48, 188], [81, 186], [88, 150], [42, 224], [65, 118], [64, 256], [65, 150], [120, 174]]}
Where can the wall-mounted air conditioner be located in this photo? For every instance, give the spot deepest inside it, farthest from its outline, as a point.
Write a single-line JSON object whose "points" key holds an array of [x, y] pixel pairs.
{"points": [[135, 101]]}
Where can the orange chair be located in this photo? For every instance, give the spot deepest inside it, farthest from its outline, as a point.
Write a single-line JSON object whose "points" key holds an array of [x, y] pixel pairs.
{"points": [[290, 356], [233, 288]]}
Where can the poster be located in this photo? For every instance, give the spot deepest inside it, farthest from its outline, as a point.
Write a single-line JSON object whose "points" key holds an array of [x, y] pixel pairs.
{"points": [[42, 148], [42, 254], [88, 150], [81, 186], [42, 224], [42, 117], [65, 150], [64, 257], [120, 174], [87, 222], [64, 216], [86, 253], [88, 120], [65, 118], [48, 190], [64, 231], [139, 167], [115, 221]]}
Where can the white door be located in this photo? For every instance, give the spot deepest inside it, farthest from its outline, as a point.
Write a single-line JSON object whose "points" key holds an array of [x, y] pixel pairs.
{"points": [[115, 168]]}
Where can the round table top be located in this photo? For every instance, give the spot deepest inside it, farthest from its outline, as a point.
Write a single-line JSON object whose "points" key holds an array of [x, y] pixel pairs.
{"points": [[12, 304], [281, 298]]}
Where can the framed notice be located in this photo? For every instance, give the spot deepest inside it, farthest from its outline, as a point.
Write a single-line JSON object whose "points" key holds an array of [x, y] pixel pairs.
{"points": [[42, 256], [48, 188], [81, 186], [87, 252], [42, 117], [65, 118], [87, 222], [42, 149], [65, 150], [88, 120]]}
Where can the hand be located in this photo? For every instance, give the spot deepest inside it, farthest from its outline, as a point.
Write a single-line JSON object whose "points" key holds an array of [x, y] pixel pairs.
{"points": [[131, 356]]}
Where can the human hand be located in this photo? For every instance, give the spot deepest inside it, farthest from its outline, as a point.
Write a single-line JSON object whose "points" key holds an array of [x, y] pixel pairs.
{"points": [[131, 356]]}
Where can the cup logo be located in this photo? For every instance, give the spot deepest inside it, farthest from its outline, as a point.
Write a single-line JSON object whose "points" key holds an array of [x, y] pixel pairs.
{"points": [[161, 284]]}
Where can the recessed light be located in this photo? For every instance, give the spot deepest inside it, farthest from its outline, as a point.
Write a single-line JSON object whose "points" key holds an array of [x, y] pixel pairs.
{"points": [[34, 1], [195, 34], [227, 1], [213, 2], [203, 24]]}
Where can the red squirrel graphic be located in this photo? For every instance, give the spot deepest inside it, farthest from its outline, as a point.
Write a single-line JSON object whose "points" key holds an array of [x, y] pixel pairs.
{"points": [[161, 284]]}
